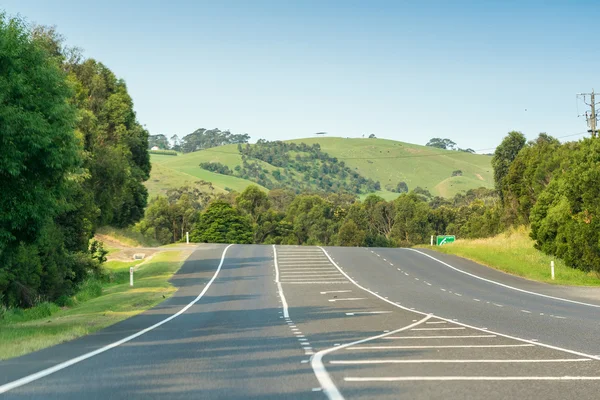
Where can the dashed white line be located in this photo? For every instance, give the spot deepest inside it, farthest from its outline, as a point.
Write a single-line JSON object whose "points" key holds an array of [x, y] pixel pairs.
{"points": [[526, 311], [348, 299]]}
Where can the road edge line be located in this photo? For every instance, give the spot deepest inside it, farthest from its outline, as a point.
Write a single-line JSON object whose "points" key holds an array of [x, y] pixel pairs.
{"points": [[329, 388], [549, 346], [284, 303], [502, 284], [48, 371]]}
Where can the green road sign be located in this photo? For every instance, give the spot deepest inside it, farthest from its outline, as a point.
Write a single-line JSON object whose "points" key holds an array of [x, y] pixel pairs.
{"points": [[443, 239]]}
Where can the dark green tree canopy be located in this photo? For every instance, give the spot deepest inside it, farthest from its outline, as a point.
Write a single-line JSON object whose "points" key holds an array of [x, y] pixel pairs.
{"points": [[222, 223], [504, 155]]}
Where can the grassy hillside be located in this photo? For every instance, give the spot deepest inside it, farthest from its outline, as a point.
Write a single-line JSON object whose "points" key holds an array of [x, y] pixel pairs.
{"points": [[386, 161], [390, 162]]}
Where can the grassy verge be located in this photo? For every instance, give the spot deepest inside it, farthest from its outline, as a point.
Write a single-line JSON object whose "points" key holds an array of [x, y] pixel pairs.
{"points": [[127, 237], [513, 252], [96, 306]]}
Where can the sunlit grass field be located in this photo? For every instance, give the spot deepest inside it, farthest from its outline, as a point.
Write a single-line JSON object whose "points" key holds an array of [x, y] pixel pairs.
{"points": [[513, 252]]}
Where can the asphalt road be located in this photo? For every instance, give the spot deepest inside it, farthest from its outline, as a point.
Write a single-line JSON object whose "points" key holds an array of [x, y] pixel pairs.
{"points": [[262, 322]]}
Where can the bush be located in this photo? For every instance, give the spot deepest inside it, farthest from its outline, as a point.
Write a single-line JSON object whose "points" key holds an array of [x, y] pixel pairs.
{"points": [[163, 152]]}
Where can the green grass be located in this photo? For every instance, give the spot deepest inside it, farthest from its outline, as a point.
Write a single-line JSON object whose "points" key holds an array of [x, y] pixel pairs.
{"points": [[427, 167], [513, 252], [127, 237], [24, 331]]}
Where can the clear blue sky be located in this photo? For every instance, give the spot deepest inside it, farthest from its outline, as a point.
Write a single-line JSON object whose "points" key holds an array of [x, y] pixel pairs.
{"points": [[404, 70]]}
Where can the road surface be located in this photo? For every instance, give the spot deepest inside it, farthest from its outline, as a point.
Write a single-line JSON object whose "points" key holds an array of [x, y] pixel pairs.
{"points": [[271, 322]]}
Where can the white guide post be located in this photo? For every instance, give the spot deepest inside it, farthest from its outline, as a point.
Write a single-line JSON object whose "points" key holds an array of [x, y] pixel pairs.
{"points": [[130, 276], [552, 269], [187, 237]]}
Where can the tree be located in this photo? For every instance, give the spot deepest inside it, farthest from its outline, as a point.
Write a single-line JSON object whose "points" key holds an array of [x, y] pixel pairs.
{"points": [[440, 143], [160, 141], [222, 223], [372, 136], [402, 187], [350, 235], [504, 155]]}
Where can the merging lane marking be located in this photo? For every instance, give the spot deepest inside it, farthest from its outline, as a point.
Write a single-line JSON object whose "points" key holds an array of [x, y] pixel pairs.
{"points": [[367, 312], [472, 378], [48, 371], [548, 346], [403, 361], [329, 388], [475, 346], [336, 291], [440, 337], [502, 284], [454, 328], [286, 314]]}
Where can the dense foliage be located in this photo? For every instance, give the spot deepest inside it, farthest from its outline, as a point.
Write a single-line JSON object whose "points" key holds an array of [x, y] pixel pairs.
{"points": [[74, 157], [202, 139]]}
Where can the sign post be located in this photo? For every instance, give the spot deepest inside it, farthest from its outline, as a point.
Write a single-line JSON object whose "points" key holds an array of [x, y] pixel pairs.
{"points": [[187, 237], [444, 239], [130, 276]]}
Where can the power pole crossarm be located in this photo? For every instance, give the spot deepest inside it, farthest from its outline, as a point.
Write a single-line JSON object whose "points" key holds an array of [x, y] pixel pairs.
{"points": [[593, 117]]}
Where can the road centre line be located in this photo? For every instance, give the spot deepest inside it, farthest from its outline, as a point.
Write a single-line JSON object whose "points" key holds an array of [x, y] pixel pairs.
{"points": [[440, 337], [48, 371], [466, 346], [472, 378], [403, 361], [548, 346], [329, 388], [286, 314]]}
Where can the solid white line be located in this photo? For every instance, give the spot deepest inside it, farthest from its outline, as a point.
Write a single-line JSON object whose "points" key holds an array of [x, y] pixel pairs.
{"points": [[548, 346], [389, 361], [48, 371], [473, 378], [286, 314], [436, 322], [308, 269], [439, 329], [348, 299], [315, 282], [476, 346], [440, 337], [329, 388], [368, 312], [311, 273], [503, 285], [336, 291]]}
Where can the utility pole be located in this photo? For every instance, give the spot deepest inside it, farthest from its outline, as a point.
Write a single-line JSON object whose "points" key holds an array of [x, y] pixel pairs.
{"points": [[591, 118]]}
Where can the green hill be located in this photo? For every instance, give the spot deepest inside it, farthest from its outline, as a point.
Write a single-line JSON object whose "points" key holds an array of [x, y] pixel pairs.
{"points": [[385, 161]]}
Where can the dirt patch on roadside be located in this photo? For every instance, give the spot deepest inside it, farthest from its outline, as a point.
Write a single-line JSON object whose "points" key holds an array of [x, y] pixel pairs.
{"points": [[480, 177]]}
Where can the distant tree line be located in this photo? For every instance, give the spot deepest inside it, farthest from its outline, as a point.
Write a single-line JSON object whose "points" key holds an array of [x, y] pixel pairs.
{"points": [[447, 144], [74, 157]]}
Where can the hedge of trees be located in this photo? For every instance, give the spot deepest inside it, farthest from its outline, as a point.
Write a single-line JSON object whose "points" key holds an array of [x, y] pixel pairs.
{"points": [[73, 157]]}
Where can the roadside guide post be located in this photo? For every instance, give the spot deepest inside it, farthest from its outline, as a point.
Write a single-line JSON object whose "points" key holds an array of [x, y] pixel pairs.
{"points": [[432, 240], [187, 237], [130, 276], [552, 268]]}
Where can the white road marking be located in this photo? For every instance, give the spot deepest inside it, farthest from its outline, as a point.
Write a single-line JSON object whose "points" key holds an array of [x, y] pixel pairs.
{"points": [[331, 391], [48, 371], [368, 312], [454, 328], [442, 289], [348, 299], [458, 294], [440, 337], [286, 314], [475, 346], [473, 378], [476, 300], [390, 361], [427, 283], [336, 291], [525, 311], [502, 284], [548, 346], [436, 322], [315, 282], [498, 305]]}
